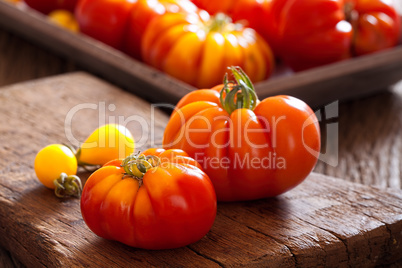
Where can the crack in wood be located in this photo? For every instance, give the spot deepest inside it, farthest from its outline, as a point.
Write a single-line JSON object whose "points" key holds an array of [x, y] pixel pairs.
{"points": [[23, 256], [205, 256], [294, 257], [9, 260], [335, 235], [391, 239]]}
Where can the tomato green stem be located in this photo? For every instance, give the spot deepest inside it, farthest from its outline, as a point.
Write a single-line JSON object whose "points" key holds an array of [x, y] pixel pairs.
{"points": [[136, 165], [68, 186], [221, 22], [239, 93]]}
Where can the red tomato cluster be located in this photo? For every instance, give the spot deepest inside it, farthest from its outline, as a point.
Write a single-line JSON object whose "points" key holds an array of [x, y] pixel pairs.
{"points": [[176, 37], [220, 143], [121, 23], [311, 33], [194, 42]]}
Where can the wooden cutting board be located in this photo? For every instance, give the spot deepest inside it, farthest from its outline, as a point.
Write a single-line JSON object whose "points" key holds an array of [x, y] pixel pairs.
{"points": [[323, 222]]}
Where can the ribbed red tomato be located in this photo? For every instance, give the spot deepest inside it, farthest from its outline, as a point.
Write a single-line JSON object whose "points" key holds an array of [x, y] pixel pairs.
{"points": [[250, 149], [155, 200], [121, 23], [197, 48]]}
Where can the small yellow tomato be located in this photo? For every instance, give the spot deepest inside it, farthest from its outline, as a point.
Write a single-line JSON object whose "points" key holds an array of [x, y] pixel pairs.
{"points": [[64, 19], [106, 143], [52, 161]]}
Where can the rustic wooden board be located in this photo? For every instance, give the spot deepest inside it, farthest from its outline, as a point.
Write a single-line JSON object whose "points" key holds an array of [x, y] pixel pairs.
{"points": [[323, 222], [340, 81]]}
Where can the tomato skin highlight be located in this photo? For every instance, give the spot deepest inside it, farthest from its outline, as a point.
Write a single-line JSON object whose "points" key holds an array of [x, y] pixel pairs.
{"points": [[175, 205], [247, 153], [53, 160]]}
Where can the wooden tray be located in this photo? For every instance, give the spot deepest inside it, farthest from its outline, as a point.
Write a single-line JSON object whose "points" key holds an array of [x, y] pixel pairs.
{"points": [[324, 222], [340, 81]]}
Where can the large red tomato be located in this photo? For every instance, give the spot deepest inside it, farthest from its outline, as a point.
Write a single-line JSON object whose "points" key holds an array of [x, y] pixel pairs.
{"points": [[155, 200], [250, 149], [121, 23], [310, 33], [197, 48], [47, 6]]}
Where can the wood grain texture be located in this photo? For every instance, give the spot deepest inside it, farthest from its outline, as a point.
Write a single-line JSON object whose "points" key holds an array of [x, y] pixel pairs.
{"points": [[323, 222], [8, 261], [370, 140], [23, 61], [318, 86]]}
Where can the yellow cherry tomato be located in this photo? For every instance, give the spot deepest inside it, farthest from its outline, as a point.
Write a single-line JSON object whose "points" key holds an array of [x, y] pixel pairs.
{"points": [[108, 142], [64, 19], [52, 161]]}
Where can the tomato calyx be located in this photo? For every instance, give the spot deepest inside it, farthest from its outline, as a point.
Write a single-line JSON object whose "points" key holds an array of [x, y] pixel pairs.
{"points": [[351, 16], [67, 186], [239, 93], [222, 23], [350, 12], [136, 165]]}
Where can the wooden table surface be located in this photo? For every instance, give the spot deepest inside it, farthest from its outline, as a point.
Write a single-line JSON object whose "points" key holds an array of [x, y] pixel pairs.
{"points": [[369, 130]]}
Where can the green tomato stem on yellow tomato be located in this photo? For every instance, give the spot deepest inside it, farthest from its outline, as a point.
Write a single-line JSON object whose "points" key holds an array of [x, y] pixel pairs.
{"points": [[136, 165], [67, 186], [239, 93]]}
